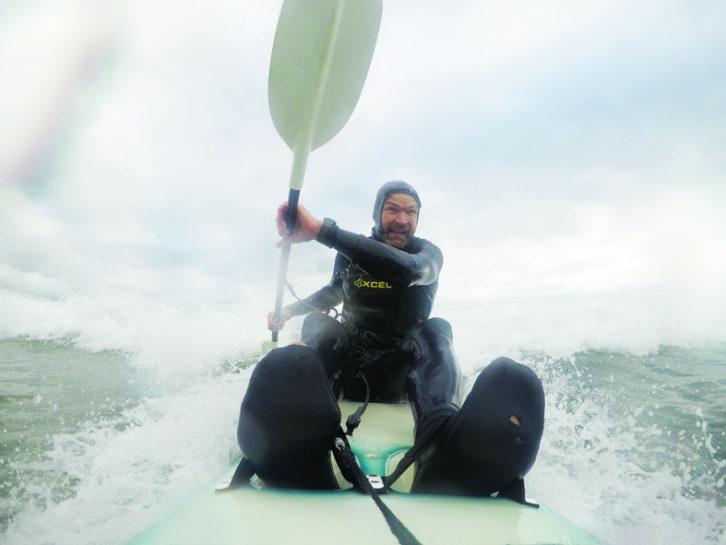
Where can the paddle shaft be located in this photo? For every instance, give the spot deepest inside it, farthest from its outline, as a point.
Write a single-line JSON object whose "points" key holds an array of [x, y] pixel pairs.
{"points": [[290, 220], [320, 57]]}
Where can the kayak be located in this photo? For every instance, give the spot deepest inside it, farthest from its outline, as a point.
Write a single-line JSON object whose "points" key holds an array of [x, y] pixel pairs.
{"points": [[256, 515]]}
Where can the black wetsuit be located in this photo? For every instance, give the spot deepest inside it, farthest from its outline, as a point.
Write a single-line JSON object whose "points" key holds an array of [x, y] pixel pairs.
{"points": [[384, 290], [386, 293]]}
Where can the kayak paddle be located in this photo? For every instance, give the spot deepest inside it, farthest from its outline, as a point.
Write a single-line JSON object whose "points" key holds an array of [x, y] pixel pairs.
{"points": [[320, 58]]}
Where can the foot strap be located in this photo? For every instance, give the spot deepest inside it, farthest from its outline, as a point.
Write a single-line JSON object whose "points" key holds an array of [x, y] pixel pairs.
{"points": [[346, 460]]}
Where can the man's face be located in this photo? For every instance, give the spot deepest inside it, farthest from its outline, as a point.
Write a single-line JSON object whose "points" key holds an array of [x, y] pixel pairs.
{"points": [[398, 219]]}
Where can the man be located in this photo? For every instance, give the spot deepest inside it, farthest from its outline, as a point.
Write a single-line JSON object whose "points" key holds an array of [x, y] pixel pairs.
{"points": [[386, 349], [387, 283]]}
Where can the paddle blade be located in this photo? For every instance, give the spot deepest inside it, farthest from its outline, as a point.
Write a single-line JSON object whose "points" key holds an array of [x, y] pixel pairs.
{"points": [[320, 59]]}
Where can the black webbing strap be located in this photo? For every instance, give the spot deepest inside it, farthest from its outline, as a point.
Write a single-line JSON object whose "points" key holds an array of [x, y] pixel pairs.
{"points": [[346, 459], [424, 439], [353, 420]]}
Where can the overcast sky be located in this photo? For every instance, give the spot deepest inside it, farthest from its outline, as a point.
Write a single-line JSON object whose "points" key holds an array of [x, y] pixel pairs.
{"points": [[553, 143]]}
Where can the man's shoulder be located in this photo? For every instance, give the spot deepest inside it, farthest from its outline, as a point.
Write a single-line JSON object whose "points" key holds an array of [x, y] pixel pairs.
{"points": [[417, 244]]}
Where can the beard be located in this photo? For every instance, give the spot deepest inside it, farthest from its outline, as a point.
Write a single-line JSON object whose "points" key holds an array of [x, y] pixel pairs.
{"points": [[396, 238]]}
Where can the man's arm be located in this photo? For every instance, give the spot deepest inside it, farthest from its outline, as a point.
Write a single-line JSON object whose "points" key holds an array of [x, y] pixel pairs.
{"points": [[324, 299], [327, 297], [421, 267]]}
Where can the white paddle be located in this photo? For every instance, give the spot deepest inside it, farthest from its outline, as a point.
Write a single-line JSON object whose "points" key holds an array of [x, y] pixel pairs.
{"points": [[320, 59]]}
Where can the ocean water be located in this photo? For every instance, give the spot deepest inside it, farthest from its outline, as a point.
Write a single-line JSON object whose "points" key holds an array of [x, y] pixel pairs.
{"points": [[99, 441], [571, 169]]}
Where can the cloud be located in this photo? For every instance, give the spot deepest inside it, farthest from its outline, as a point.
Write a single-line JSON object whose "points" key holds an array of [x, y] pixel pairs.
{"points": [[513, 121]]}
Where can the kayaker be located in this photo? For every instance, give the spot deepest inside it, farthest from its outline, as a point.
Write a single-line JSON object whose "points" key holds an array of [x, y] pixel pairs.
{"points": [[385, 348]]}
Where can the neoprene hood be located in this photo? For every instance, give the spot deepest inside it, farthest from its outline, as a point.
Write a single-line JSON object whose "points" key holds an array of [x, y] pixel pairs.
{"points": [[386, 190]]}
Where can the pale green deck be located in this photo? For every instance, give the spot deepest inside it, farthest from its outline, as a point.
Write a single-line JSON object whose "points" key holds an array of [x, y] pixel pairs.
{"points": [[246, 516]]}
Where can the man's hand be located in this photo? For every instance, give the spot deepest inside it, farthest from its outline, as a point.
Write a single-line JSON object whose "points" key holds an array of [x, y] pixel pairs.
{"points": [[273, 325], [306, 228]]}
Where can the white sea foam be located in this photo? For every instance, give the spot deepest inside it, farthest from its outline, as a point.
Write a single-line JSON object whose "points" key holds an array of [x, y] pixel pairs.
{"points": [[126, 472]]}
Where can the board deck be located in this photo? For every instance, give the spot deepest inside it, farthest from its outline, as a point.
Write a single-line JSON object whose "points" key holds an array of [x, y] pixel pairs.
{"points": [[248, 516]]}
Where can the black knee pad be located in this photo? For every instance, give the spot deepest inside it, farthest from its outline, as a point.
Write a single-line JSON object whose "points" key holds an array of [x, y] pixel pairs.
{"points": [[494, 439], [508, 399], [288, 420]]}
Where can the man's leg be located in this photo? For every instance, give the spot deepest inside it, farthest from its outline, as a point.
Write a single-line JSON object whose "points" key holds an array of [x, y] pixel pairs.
{"points": [[433, 384], [492, 442], [327, 337], [288, 420]]}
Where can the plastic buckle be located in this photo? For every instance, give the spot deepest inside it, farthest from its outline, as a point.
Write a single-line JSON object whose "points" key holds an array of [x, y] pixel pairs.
{"points": [[376, 481]]}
